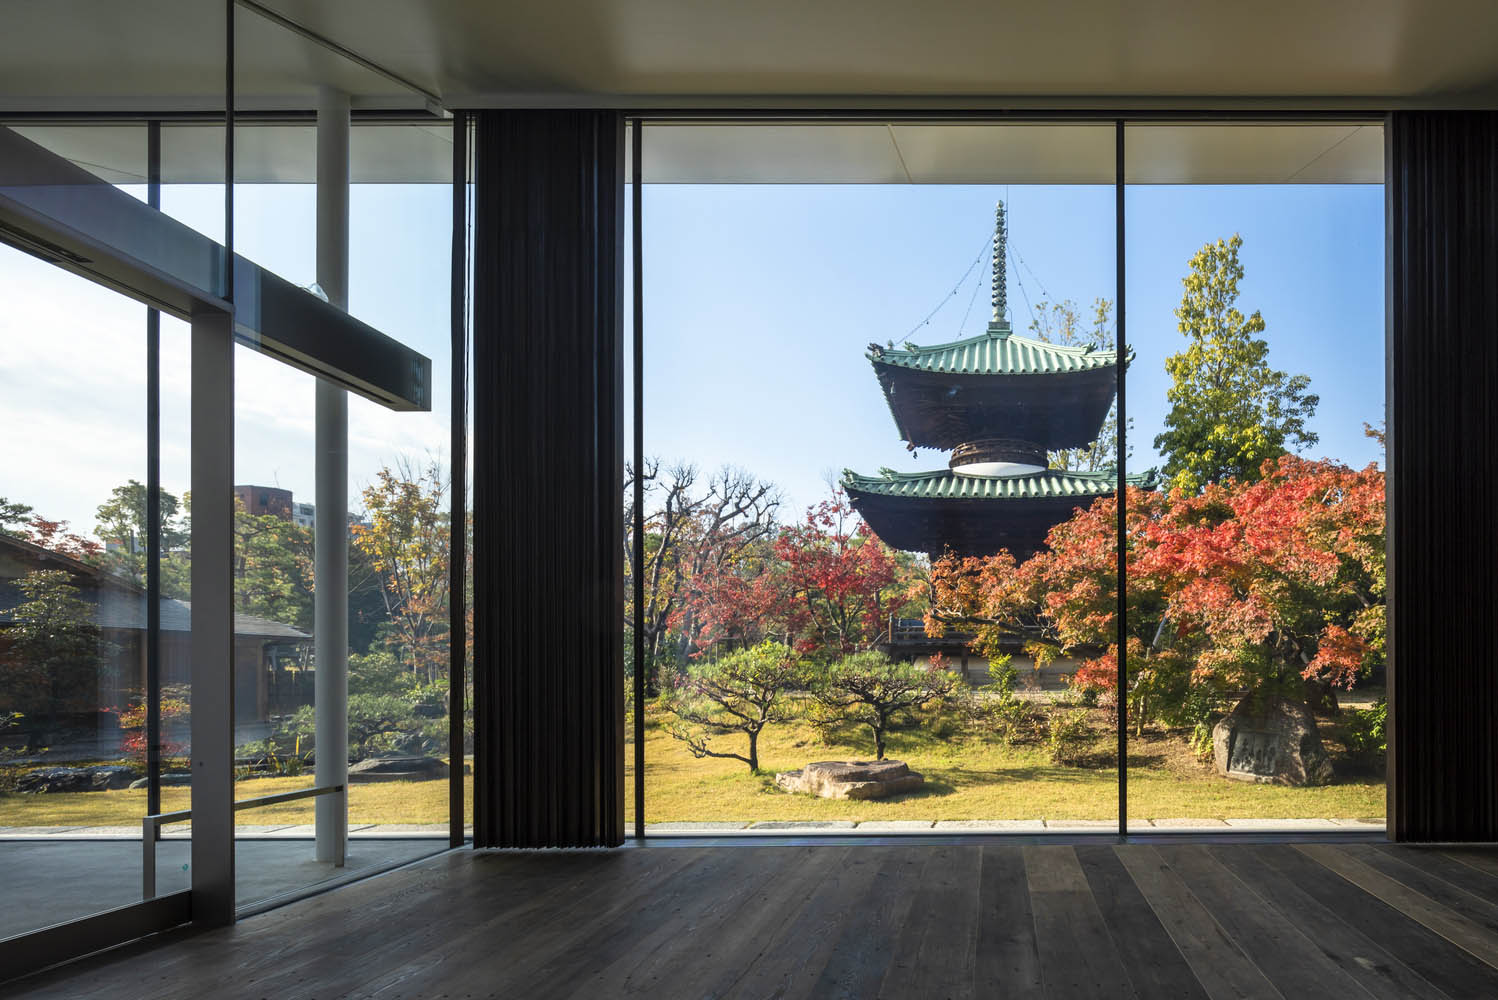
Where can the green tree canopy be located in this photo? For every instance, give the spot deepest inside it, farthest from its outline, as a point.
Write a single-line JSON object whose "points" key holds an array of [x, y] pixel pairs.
{"points": [[54, 649], [1229, 411], [122, 520]]}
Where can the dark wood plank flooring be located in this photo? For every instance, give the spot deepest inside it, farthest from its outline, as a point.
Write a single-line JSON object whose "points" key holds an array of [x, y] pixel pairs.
{"points": [[1194, 920]]}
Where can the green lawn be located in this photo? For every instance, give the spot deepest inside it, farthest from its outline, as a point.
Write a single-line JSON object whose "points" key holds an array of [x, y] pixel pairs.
{"points": [[385, 802], [967, 777], [972, 778]]}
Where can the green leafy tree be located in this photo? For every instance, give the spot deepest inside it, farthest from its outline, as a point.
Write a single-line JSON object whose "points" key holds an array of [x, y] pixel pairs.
{"points": [[869, 689], [743, 693], [406, 543], [122, 520], [273, 559], [13, 518], [1229, 411], [54, 649], [1062, 323]]}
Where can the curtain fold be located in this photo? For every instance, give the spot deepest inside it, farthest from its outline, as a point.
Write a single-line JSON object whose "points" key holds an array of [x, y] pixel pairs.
{"points": [[1442, 190], [548, 467]]}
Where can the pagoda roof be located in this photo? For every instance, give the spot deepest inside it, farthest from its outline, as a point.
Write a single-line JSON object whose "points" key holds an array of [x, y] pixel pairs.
{"points": [[936, 512], [944, 484], [994, 352]]}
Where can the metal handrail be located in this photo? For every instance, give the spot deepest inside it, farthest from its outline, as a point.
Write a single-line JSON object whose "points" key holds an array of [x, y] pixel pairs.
{"points": [[150, 828]]}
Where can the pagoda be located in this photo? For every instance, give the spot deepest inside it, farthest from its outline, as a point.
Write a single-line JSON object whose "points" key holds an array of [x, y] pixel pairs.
{"points": [[999, 403]]}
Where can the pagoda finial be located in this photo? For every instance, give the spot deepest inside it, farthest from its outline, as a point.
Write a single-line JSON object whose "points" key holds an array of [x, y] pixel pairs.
{"points": [[1000, 295]]}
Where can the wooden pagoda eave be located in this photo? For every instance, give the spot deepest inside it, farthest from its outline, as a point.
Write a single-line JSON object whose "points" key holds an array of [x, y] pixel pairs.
{"points": [[942, 410]]}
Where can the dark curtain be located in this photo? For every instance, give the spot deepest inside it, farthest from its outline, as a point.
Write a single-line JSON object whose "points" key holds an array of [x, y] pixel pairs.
{"points": [[548, 452], [1443, 483]]}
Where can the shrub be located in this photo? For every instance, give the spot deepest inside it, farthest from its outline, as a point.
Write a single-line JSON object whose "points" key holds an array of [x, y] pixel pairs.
{"points": [[1069, 735], [1366, 736]]}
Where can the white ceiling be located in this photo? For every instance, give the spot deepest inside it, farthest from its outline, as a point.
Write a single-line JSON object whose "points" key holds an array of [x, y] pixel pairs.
{"points": [[792, 55], [874, 153], [903, 153], [819, 53]]}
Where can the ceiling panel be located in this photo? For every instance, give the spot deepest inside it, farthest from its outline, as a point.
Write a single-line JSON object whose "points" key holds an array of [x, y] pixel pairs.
{"points": [[833, 53]]}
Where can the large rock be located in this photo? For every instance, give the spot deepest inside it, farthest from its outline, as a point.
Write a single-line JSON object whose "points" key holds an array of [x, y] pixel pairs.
{"points": [[1274, 741], [397, 769], [851, 779]]}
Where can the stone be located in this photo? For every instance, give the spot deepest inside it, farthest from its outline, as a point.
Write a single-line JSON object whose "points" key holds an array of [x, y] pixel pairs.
{"points": [[1273, 741], [169, 779], [76, 779], [851, 779], [397, 769]]}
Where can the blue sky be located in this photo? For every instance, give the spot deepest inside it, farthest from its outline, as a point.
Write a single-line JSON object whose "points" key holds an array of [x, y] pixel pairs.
{"points": [[760, 301]]}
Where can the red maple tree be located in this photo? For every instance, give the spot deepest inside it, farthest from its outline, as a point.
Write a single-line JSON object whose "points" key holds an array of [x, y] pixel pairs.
{"points": [[1243, 587], [826, 586]]}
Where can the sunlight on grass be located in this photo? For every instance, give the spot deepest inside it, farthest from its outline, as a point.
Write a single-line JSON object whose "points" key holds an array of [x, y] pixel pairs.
{"points": [[972, 778]]}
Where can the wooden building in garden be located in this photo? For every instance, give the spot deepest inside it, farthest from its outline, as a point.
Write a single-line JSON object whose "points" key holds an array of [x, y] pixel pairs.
{"points": [[999, 403]]}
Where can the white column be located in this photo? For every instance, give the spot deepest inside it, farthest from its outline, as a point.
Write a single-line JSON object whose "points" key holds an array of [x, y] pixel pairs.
{"points": [[330, 603], [212, 637]]}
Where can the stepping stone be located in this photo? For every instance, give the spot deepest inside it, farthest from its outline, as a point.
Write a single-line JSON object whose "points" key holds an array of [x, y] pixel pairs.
{"points": [[979, 825]]}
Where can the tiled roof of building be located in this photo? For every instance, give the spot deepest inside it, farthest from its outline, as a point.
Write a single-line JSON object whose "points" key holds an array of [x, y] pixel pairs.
{"points": [[996, 352], [944, 484]]}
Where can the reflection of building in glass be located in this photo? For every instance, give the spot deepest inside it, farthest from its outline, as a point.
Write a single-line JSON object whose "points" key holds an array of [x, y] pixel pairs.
{"points": [[78, 720], [272, 500], [999, 403], [261, 500]]}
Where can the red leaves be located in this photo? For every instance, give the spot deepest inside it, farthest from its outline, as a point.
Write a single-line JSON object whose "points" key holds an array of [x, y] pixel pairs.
{"points": [[54, 535], [1236, 584], [827, 584]]}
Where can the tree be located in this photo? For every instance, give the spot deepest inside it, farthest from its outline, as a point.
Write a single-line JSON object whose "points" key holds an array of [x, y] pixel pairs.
{"points": [[870, 689], [1229, 411], [55, 650], [1061, 323], [1245, 586], [839, 579], [13, 518], [55, 537], [741, 693], [825, 586], [273, 560], [407, 542], [122, 520], [687, 534]]}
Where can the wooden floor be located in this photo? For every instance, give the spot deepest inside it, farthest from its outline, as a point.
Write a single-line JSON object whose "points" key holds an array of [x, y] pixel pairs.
{"points": [[1146, 920]]}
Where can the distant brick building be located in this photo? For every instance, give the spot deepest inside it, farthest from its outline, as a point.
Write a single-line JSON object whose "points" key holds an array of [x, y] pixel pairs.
{"points": [[260, 500]]}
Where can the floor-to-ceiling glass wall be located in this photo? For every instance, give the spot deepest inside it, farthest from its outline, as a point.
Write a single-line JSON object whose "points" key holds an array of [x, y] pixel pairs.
{"points": [[95, 612], [880, 447], [1255, 290]]}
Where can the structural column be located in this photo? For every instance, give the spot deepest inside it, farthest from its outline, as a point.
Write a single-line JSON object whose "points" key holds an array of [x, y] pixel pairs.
{"points": [[330, 602], [212, 637]]}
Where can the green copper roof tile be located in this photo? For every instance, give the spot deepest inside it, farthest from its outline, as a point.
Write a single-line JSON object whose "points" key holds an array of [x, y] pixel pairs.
{"points": [[996, 352], [944, 484]]}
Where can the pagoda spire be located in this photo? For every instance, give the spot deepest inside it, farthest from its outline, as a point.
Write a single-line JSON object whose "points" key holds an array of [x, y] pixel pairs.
{"points": [[1000, 292]]}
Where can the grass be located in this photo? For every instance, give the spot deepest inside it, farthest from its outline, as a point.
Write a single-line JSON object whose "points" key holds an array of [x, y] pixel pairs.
{"points": [[967, 777], [972, 778], [414, 802]]}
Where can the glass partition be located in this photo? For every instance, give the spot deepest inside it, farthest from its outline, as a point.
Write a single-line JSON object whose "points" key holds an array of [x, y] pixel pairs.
{"points": [[74, 616], [880, 454], [1256, 308]]}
